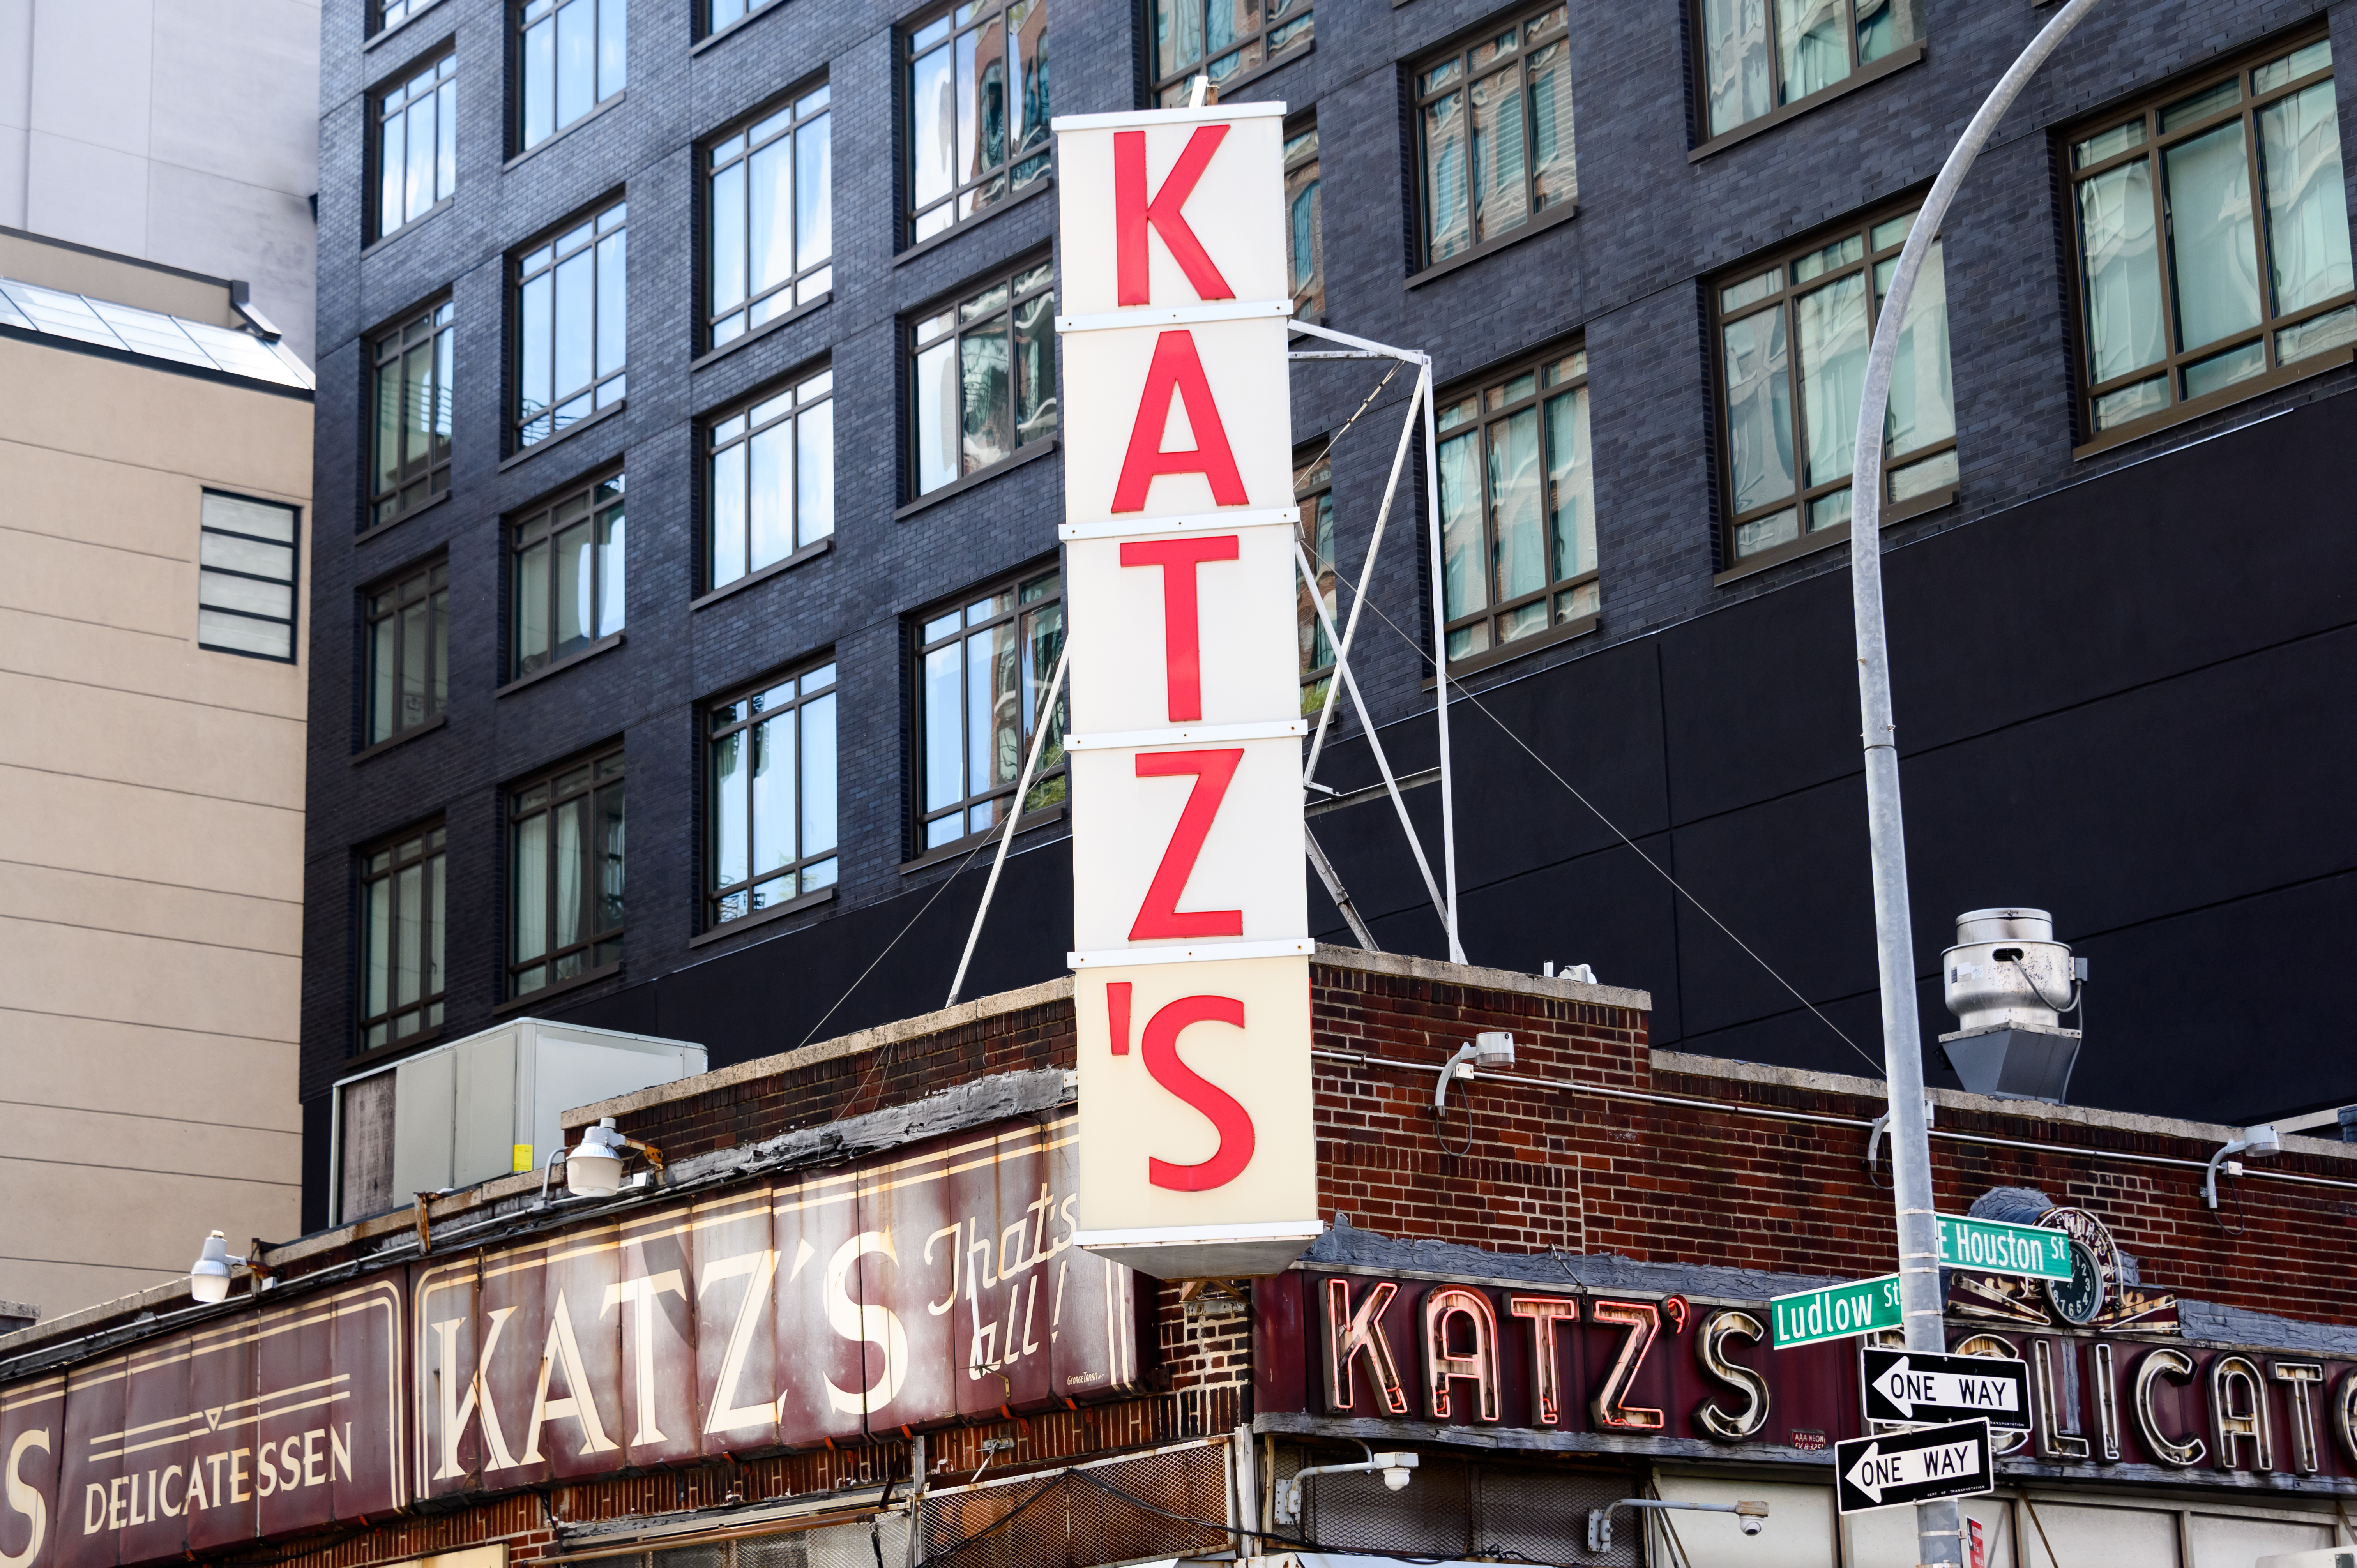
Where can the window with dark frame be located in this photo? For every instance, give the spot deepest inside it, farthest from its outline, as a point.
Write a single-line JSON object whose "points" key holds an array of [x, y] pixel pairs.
{"points": [[985, 377], [983, 666], [407, 677], [1494, 135], [1224, 39], [571, 56], [769, 240], [1518, 512], [2209, 231], [386, 13], [246, 576], [1305, 236], [977, 110], [571, 326], [411, 441], [769, 779], [769, 478], [401, 930], [1313, 492], [564, 577], [416, 144], [1808, 313], [720, 14], [1760, 56], [565, 875]]}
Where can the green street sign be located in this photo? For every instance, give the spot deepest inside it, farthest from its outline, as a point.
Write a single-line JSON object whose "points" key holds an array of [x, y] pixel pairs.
{"points": [[1993, 1246], [1836, 1312]]}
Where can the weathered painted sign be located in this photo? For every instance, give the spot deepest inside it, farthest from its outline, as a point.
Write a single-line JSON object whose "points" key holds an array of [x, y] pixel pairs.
{"points": [[939, 1282], [1579, 1369], [259, 1423], [1190, 905]]}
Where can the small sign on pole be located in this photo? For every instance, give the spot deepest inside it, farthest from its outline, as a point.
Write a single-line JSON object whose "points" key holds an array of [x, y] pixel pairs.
{"points": [[1910, 1388], [1920, 1466], [1995, 1247], [1836, 1312]]}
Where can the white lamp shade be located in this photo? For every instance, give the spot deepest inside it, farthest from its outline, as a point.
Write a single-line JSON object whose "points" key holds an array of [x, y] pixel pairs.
{"points": [[209, 1275], [592, 1170]]}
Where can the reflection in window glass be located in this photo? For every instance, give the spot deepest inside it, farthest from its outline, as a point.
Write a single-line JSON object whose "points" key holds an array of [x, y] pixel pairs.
{"points": [[565, 576], [1761, 55], [982, 667], [1224, 39], [2249, 281], [571, 57], [772, 217], [408, 653], [1305, 239], [417, 144], [1495, 135], [401, 925], [565, 875], [977, 110], [770, 482], [985, 377], [572, 326], [410, 446], [1313, 492], [1793, 343], [1518, 508], [770, 773]]}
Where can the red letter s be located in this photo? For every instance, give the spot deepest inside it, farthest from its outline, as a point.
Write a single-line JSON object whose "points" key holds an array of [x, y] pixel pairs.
{"points": [[1229, 1118]]}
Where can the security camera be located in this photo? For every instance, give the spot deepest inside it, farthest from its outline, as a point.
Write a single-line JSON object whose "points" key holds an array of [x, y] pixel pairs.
{"points": [[1751, 1526], [1751, 1516], [1396, 1479]]}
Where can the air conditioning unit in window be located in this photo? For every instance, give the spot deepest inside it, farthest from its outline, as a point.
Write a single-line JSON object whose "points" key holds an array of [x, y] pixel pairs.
{"points": [[481, 1107]]}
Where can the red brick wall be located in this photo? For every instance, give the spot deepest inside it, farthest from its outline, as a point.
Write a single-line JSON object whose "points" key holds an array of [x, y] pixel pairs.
{"points": [[1555, 1166]]}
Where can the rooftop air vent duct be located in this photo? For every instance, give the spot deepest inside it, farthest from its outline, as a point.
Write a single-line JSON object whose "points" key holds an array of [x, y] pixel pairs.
{"points": [[2008, 982]]}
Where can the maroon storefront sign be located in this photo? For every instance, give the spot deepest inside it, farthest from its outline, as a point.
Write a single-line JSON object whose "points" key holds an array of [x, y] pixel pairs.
{"points": [[258, 1425], [879, 1298], [1593, 1369]]}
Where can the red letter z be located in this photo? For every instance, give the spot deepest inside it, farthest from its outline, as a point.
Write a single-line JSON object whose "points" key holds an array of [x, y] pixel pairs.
{"points": [[1159, 914]]}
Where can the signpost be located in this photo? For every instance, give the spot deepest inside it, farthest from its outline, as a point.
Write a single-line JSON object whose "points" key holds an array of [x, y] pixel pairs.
{"points": [[1919, 1467], [1910, 1388], [1995, 1247], [1835, 1312]]}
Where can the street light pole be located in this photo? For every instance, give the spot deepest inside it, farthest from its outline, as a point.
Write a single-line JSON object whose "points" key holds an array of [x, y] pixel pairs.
{"points": [[1939, 1540]]}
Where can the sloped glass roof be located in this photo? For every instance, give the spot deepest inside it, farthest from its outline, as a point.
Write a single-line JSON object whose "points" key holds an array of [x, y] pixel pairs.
{"points": [[54, 314]]}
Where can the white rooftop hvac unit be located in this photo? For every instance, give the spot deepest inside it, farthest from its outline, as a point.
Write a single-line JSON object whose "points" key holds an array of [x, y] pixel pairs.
{"points": [[481, 1107]]}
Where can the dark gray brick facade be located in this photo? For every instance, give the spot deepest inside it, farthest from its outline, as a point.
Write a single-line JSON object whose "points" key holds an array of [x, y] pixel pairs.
{"points": [[2121, 680]]}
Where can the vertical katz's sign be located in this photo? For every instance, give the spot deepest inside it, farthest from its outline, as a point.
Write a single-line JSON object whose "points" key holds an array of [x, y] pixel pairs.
{"points": [[940, 1283], [264, 1423], [1188, 910]]}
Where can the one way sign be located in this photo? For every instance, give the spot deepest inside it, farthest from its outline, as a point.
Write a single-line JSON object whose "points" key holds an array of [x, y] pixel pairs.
{"points": [[1905, 1388], [1919, 1467]]}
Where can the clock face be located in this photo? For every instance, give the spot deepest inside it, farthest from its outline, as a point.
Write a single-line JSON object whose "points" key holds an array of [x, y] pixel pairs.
{"points": [[2078, 1299]]}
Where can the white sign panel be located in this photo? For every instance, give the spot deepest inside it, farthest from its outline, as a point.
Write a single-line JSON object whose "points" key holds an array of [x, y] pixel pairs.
{"points": [[1189, 900]]}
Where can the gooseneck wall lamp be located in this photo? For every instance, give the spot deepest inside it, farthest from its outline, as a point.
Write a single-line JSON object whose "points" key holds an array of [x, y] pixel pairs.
{"points": [[1393, 1467]]}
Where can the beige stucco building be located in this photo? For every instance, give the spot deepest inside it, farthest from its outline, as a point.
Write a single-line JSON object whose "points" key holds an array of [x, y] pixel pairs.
{"points": [[154, 471]]}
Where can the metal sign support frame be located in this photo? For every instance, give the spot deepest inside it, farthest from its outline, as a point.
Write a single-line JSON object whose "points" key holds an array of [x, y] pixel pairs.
{"points": [[1444, 895]]}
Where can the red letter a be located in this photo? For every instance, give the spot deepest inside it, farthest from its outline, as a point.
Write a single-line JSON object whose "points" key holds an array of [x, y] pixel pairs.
{"points": [[1133, 214], [1177, 368]]}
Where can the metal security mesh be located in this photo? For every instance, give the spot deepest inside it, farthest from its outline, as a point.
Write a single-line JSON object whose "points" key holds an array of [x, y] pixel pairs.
{"points": [[884, 1538], [771, 1552], [1454, 1509], [1155, 1505]]}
